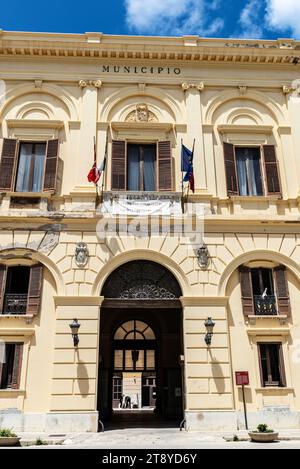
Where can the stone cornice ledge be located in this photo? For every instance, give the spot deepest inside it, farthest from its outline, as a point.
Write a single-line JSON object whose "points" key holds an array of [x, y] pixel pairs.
{"points": [[189, 48], [204, 300], [253, 129], [35, 123], [78, 300], [17, 331], [255, 331]]}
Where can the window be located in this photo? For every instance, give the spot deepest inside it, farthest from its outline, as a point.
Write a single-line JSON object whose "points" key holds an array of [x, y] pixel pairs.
{"points": [[132, 330], [141, 167], [134, 360], [134, 343], [264, 291], [10, 365], [20, 289], [16, 290], [31, 167], [28, 166], [117, 387], [251, 171], [271, 364]]}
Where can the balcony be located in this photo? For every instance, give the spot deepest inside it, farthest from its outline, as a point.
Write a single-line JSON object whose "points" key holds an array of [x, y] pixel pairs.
{"points": [[15, 303], [265, 306]]}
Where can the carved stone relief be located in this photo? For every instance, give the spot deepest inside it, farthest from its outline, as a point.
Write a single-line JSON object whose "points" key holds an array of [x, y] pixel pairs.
{"points": [[141, 114]]}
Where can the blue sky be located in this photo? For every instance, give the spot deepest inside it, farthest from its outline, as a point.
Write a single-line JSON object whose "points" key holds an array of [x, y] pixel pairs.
{"points": [[268, 19]]}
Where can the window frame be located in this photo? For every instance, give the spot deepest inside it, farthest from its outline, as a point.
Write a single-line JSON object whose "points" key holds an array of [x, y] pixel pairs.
{"points": [[16, 366], [261, 166], [281, 367], [15, 176], [141, 165]]}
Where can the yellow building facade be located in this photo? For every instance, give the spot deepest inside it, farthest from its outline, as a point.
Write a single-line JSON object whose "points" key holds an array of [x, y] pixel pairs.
{"points": [[115, 260]]}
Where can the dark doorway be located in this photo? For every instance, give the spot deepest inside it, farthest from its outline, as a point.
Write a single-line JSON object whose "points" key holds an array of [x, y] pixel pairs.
{"points": [[140, 375]]}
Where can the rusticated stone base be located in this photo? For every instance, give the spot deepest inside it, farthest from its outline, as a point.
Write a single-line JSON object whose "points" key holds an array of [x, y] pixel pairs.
{"points": [[54, 422]]}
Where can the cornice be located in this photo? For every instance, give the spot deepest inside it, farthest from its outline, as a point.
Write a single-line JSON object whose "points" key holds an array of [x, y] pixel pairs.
{"points": [[186, 48]]}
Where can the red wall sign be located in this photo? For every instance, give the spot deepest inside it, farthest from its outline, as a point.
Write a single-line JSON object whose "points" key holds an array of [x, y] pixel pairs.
{"points": [[241, 377]]}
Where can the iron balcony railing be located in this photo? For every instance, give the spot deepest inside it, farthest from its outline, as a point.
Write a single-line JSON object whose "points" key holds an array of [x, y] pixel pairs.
{"points": [[15, 303], [265, 306]]}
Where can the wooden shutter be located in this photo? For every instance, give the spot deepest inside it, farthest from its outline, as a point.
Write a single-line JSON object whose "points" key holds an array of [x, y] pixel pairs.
{"points": [[246, 288], [16, 375], [283, 299], [1, 357], [3, 271], [8, 164], [230, 169], [271, 170], [281, 366], [34, 290], [164, 164], [118, 165], [51, 165], [260, 366]]}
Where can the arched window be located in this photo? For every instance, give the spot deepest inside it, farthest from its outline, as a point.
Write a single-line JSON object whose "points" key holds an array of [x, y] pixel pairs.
{"points": [[134, 347], [141, 280], [134, 330]]}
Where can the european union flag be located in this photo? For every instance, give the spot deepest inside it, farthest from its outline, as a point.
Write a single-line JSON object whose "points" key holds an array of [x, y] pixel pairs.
{"points": [[187, 166]]}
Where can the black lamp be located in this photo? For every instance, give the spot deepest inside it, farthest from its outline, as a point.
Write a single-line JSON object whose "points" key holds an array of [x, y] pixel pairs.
{"points": [[209, 325], [135, 356], [74, 326]]}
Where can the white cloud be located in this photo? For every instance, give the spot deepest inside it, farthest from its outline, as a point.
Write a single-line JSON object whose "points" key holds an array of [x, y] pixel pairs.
{"points": [[284, 15], [173, 17], [250, 22]]}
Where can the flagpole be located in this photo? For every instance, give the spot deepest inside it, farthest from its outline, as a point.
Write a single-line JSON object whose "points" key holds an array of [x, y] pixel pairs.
{"points": [[103, 172], [182, 201], [192, 159], [95, 163]]}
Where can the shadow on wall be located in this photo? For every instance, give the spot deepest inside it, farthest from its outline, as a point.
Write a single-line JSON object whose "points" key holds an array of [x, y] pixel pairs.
{"points": [[248, 395], [82, 378], [217, 373]]}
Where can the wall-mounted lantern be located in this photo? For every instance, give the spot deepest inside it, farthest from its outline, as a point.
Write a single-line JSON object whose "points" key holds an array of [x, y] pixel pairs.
{"points": [[135, 356], [203, 256], [209, 326], [74, 326]]}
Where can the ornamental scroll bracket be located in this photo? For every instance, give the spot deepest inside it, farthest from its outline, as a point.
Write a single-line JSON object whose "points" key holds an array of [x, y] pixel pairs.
{"points": [[85, 83], [199, 86]]}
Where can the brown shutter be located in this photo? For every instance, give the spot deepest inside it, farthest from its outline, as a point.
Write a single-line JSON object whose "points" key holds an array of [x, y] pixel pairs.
{"points": [[1, 365], [260, 366], [230, 169], [34, 290], [281, 366], [118, 165], [246, 288], [283, 299], [164, 162], [271, 170], [16, 375], [8, 164], [3, 270], [51, 165]]}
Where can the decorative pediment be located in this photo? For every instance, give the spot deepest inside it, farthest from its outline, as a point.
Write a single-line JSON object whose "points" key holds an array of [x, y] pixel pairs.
{"points": [[141, 114]]}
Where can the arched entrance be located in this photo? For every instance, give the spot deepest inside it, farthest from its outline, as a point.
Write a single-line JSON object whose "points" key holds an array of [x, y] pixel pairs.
{"points": [[140, 376]]}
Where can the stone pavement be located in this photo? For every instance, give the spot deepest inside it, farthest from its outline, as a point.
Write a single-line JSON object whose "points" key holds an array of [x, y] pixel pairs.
{"points": [[155, 438]]}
